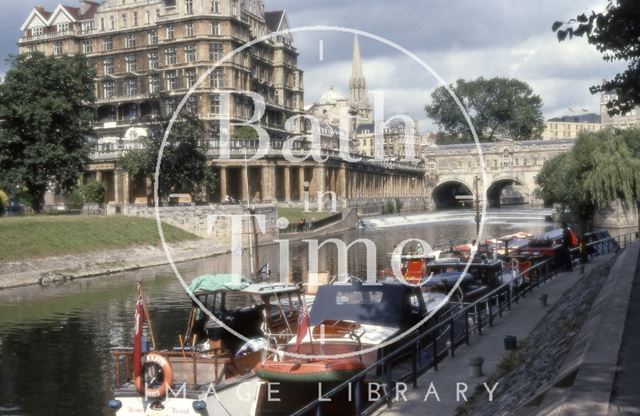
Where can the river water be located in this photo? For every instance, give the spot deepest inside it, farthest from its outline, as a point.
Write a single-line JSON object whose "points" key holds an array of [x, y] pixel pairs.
{"points": [[55, 341]]}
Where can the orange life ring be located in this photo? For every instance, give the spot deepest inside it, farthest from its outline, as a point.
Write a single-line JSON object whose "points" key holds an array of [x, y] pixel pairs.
{"points": [[166, 370]]}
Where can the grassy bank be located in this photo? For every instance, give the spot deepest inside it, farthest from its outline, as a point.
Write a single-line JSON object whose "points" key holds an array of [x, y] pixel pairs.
{"points": [[295, 214], [41, 236]]}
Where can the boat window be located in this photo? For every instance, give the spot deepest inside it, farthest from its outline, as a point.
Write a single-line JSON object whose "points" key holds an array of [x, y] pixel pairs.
{"points": [[358, 297]]}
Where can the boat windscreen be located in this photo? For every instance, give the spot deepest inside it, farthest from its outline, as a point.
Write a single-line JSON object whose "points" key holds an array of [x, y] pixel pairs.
{"points": [[382, 304]]}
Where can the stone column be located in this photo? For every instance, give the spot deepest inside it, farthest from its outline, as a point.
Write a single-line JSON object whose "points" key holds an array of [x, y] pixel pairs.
{"points": [[117, 189], [223, 184], [126, 192], [318, 178], [244, 185], [268, 180], [99, 176], [342, 182], [287, 183], [301, 182]]}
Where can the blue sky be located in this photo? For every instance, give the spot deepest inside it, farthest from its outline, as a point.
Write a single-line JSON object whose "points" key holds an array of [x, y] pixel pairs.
{"points": [[458, 39]]}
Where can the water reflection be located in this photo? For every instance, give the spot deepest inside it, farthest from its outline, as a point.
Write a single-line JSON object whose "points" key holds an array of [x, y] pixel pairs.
{"points": [[55, 341]]}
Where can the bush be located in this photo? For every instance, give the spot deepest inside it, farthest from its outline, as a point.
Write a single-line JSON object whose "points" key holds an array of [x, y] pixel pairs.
{"points": [[93, 192], [4, 202], [75, 200]]}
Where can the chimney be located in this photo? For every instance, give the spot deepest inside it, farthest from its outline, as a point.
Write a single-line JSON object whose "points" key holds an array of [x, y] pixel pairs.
{"points": [[40, 8]]}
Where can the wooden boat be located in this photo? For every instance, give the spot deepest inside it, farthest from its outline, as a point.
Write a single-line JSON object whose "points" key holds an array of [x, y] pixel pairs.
{"points": [[308, 371], [209, 358]]}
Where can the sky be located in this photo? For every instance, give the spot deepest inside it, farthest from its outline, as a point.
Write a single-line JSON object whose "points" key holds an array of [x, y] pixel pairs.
{"points": [[455, 38]]}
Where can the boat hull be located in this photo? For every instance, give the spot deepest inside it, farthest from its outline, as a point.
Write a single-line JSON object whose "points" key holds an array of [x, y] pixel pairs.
{"points": [[330, 371]]}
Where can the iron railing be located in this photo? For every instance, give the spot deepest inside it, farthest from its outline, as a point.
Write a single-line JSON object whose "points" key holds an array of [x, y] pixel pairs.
{"points": [[430, 347]]}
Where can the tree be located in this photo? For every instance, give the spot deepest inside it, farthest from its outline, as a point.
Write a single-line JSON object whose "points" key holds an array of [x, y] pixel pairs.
{"points": [[615, 32], [93, 192], [45, 123], [184, 167], [497, 107], [600, 169]]}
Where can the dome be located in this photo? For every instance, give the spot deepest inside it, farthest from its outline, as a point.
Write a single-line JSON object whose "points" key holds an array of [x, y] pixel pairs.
{"points": [[331, 97]]}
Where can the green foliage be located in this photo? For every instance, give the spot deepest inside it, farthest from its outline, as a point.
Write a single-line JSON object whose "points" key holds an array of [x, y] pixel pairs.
{"points": [[4, 202], [496, 106], [93, 192], [46, 123], [246, 133], [183, 168], [75, 199], [615, 33], [603, 167]]}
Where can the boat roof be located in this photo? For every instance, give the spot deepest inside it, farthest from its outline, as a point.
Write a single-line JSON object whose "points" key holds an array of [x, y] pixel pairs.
{"points": [[551, 235], [271, 288], [449, 278], [382, 304], [215, 283]]}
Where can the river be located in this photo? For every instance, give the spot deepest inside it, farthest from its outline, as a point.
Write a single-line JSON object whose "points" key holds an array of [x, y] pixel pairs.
{"points": [[55, 341]]}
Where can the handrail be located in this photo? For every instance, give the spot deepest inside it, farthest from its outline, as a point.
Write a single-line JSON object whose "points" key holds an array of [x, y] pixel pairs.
{"points": [[504, 295]]}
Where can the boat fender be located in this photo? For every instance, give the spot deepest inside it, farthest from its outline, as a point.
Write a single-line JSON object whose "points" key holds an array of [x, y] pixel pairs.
{"points": [[167, 376]]}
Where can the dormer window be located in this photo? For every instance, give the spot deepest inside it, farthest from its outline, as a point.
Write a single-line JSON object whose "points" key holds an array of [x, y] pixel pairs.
{"points": [[63, 27], [37, 31]]}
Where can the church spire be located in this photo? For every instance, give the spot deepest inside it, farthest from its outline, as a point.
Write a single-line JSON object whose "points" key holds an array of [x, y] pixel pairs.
{"points": [[358, 95]]}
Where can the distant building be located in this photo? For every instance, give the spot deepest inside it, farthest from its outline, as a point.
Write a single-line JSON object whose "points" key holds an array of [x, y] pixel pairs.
{"points": [[568, 127], [630, 119], [332, 104]]}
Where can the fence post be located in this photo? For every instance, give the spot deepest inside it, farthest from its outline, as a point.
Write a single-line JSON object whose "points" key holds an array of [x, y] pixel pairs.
{"points": [[466, 326], [414, 364], [452, 337], [478, 319], [357, 401]]}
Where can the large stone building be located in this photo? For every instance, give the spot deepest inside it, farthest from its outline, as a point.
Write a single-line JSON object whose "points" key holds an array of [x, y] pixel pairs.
{"points": [[568, 127], [630, 119], [148, 53]]}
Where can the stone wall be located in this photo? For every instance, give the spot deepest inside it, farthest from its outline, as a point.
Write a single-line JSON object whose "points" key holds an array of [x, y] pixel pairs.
{"points": [[616, 216], [212, 221]]}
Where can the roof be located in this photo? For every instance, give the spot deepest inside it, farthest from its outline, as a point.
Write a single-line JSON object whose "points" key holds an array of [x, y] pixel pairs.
{"points": [[271, 288], [273, 19]]}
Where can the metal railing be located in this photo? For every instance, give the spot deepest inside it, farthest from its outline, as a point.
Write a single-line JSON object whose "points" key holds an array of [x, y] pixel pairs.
{"points": [[312, 225], [429, 347]]}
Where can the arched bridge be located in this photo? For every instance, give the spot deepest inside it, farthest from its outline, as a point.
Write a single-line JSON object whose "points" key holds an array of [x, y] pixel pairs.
{"points": [[510, 171]]}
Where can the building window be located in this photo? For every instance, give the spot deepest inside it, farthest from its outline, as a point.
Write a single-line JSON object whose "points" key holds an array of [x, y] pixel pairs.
{"points": [[107, 44], [215, 51], [153, 60], [107, 66], [131, 63], [192, 105], [188, 29], [172, 81], [171, 32], [215, 6], [135, 18], [189, 6], [87, 47], [190, 75], [154, 84], [37, 31], [171, 105], [87, 27], [190, 53], [170, 57], [131, 87], [216, 79], [215, 29], [102, 26], [214, 101], [109, 89], [153, 37], [63, 27], [57, 48], [147, 17], [112, 22], [123, 21], [130, 40]]}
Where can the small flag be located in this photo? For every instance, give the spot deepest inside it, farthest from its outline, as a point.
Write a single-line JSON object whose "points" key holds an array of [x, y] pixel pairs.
{"points": [[139, 319], [303, 326]]}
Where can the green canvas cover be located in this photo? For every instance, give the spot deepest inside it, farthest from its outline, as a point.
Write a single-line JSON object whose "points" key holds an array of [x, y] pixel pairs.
{"points": [[217, 282]]}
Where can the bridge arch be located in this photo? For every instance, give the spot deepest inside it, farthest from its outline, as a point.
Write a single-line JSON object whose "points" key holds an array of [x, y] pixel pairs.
{"points": [[444, 194], [508, 191]]}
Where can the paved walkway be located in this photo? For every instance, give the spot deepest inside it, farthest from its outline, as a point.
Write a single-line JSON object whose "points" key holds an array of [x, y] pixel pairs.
{"points": [[519, 322], [625, 398]]}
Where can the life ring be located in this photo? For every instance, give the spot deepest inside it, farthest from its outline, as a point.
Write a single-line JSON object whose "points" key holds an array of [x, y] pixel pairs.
{"points": [[162, 374]]}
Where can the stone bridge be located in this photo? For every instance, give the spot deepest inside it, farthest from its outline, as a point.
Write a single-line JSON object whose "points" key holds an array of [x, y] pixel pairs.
{"points": [[510, 167]]}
